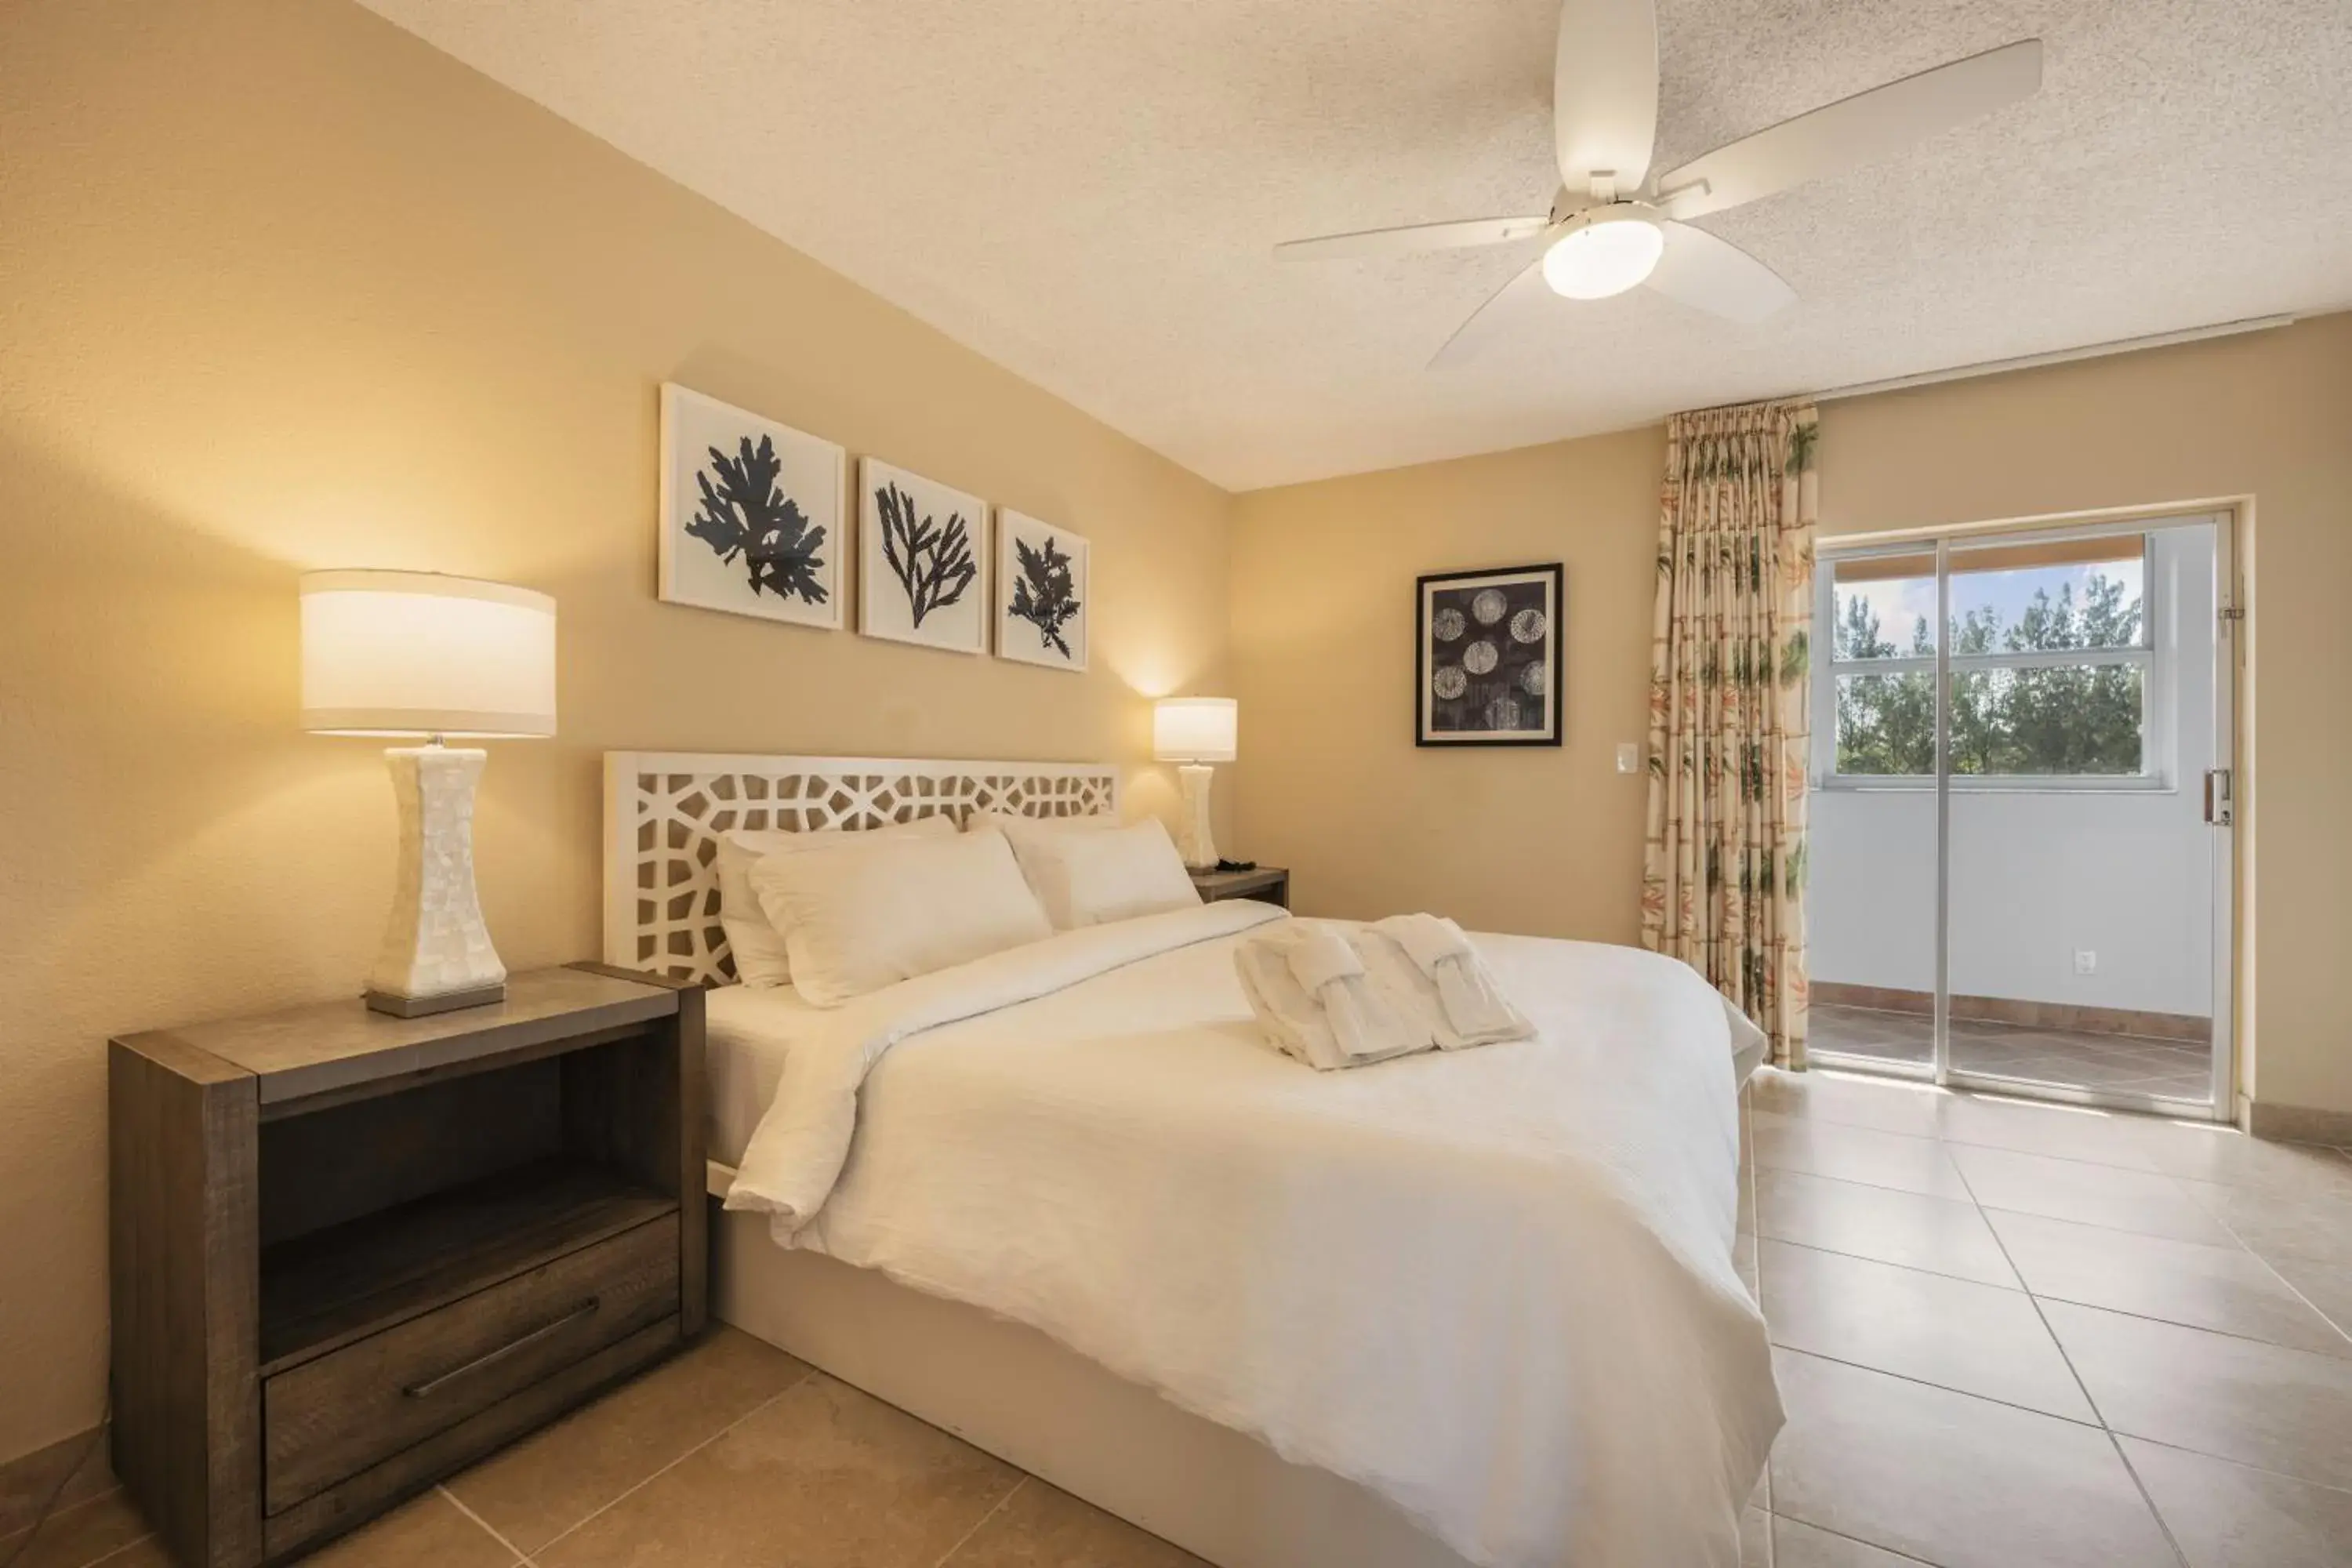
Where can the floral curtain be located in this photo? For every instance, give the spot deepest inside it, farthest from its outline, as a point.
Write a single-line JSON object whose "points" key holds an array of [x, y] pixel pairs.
{"points": [[1724, 865]]}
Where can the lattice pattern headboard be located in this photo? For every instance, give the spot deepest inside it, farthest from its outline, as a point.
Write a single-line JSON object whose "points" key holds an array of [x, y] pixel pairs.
{"points": [[663, 810]]}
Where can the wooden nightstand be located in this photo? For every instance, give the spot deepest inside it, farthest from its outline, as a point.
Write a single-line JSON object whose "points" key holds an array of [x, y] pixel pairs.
{"points": [[1268, 884], [353, 1253]]}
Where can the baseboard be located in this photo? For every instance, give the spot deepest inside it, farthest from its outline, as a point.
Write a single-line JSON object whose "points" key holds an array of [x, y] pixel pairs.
{"points": [[27, 1479], [2298, 1123], [2066, 1015]]}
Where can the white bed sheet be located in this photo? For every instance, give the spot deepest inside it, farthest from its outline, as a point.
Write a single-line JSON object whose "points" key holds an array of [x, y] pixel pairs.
{"points": [[1495, 1285], [750, 1031]]}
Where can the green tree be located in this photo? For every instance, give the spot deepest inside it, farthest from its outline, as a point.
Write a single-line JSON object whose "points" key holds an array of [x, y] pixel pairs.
{"points": [[1885, 723], [2077, 719]]}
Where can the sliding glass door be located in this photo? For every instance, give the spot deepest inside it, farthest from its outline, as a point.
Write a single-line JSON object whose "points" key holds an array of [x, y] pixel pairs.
{"points": [[2020, 865]]}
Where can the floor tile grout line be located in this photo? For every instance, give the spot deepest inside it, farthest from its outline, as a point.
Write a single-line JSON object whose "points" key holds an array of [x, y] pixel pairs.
{"points": [[521, 1556], [2064, 1301], [22, 1541], [1021, 1479], [1895, 1552], [2280, 1275], [2147, 1498], [2114, 1441], [112, 1552], [1945, 1388], [2239, 1464], [627, 1492], [2021, 1288], [2016, 1289], [2191, 1198]]}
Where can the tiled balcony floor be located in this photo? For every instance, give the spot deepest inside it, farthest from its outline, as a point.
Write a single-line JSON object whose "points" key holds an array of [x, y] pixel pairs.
{"points": [[2124, 1064]]}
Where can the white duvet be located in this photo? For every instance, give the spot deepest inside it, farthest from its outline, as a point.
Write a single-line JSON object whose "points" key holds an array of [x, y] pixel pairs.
{"points": [[1494, 1285]]}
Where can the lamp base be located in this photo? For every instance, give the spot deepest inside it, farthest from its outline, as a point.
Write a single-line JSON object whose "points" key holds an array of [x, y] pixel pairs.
{"points": [[425, 1007], [436, 954], [1196, 843]]}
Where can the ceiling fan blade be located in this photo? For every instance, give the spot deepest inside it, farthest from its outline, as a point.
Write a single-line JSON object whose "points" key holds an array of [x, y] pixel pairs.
{"points": [[1854, 130], [1509, 308], [1718, 277], [1604, 91], [1413, 237]]}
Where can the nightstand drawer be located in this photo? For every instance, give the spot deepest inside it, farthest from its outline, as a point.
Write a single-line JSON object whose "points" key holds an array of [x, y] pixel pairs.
{"points": [[329, 1418]]}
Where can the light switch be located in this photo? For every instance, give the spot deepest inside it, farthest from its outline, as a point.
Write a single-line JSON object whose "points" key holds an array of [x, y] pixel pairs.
{"points": [[1629, 756]]}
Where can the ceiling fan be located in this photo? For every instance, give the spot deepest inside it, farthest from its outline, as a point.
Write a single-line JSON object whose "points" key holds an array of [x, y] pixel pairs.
{"points": [[1611, 226]]}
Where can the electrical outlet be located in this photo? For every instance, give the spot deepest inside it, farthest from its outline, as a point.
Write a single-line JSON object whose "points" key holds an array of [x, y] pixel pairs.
{"points": [[1629, 757], [2085, 962]]}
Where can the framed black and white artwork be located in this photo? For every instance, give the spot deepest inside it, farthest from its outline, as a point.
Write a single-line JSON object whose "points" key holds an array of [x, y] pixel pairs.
{"points": [[922, 560], [1489, 661], [751, 513], [1041, 593]]}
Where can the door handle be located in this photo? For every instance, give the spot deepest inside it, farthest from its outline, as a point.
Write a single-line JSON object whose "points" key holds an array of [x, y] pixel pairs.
{"points": [[2220, 797]]}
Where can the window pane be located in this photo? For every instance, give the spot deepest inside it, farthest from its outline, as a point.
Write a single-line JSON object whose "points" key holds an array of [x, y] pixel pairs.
{"points": [[1886, 724], [2070, 593], [2072, 718], [1885, 607]]}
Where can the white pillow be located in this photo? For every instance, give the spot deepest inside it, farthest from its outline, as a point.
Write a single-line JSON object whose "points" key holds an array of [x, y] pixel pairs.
{"points": [[760, 957], [859, 920], [1086, 878], [1032, 838]]}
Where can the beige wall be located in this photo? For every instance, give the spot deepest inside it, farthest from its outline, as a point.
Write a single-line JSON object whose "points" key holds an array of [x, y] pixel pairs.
{"points": [[282, 288], [1330, 783]]}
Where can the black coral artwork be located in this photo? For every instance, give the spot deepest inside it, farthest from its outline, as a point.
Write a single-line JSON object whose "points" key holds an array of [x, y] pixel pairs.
{"points": [[932, 560], [1041, 574], [751, 513], [746, 514], [1041, 595], [922, 560]]}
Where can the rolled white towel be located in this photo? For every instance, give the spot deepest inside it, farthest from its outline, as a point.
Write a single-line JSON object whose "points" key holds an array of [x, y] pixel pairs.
{"points": [[1474, 1005], [1308, 987], [1317, 958], [1427, 940]]}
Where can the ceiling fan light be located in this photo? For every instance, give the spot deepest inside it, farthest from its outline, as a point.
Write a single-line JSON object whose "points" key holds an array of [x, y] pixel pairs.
{"points": [[1605, 256]]}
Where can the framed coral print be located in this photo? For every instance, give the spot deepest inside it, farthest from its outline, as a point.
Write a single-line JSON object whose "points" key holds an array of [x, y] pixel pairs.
{"points": [[922, 560], [1041, 592], [751, 513], [1488, 666]]}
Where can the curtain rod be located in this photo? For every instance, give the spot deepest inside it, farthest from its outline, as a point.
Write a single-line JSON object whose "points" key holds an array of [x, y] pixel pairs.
{"points": [[2059, 356]]}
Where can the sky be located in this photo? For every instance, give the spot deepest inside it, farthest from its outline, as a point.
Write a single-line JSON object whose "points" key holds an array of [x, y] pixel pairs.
{"points": [[1901, 602]]}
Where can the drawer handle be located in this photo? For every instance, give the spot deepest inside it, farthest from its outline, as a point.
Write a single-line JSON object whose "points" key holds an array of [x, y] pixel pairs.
{"points": [[433, 1385]]}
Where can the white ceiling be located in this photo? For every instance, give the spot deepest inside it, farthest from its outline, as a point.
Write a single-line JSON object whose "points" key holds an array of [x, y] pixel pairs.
{"points": [[1087, 191]]}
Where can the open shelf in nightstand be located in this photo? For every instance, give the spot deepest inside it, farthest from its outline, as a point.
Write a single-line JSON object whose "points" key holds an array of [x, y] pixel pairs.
{"points": [[333, 1286]]}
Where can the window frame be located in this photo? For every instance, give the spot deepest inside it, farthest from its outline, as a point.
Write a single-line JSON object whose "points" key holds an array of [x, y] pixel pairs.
{"points": [[2153, 657]]}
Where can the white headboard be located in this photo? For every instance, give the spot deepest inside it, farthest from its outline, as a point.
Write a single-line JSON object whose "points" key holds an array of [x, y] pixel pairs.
{"points": [[663, 810]]}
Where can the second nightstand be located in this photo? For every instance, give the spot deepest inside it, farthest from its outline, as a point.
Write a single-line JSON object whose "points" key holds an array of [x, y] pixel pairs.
{"points": [[1268, 884]]}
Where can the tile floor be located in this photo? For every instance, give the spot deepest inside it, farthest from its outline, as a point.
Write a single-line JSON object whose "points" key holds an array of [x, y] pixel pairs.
{"points": [[2007, 1335], [2127, 1063]]}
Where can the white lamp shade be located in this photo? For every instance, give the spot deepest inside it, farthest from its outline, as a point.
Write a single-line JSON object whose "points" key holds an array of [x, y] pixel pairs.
{"points": [[1194, 729], [414, 653]]}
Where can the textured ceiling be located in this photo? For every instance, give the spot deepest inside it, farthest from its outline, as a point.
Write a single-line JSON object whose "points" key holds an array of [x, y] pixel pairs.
{"points": [[1087, 191]]}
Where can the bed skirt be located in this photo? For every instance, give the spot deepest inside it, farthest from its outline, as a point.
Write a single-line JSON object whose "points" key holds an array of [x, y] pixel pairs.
{"points": [[1008, 1389]]}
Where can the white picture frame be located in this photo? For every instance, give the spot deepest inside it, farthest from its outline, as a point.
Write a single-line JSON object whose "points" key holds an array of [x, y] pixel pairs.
{"points": [[752, 514], [922, 560], [1042, 593]]}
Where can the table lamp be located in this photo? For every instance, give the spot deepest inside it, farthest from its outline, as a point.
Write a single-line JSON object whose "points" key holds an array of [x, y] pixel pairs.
{"points": [[1195, 732], [414, 653]]}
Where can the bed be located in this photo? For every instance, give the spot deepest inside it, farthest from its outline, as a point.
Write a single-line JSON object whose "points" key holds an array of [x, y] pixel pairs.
{"points": [[1478, 1308]]}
